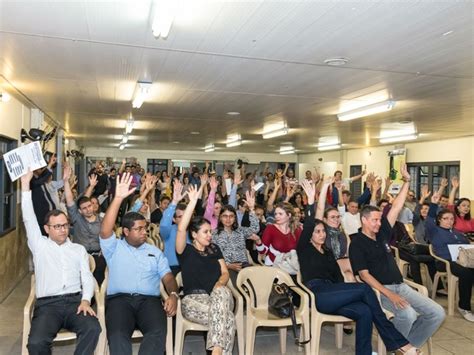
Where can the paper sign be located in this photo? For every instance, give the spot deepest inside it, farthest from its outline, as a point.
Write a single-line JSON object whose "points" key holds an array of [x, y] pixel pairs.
{"points": [[454, 249], [19, 160], [228, 185], [257, 186]]}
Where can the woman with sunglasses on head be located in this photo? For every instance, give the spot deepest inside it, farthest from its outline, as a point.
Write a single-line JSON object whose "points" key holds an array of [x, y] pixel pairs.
{"points": [[206, 300], [441, 233], [322, 275]]}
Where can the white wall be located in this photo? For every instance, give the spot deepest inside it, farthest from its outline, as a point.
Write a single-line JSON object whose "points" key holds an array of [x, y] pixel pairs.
{"points": [[143, 155], [376, 159]]}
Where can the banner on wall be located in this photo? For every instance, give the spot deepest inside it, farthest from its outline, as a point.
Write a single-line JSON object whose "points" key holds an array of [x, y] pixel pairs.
{"points": [[396, 158]]}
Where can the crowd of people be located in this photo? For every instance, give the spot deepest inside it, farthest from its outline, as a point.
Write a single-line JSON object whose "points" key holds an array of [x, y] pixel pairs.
{"points": [[211, 227]]}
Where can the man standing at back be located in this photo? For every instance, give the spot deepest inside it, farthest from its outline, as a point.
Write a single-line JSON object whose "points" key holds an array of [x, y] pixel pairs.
{"points": [[416, 317], [136, 269], [64, 283]]}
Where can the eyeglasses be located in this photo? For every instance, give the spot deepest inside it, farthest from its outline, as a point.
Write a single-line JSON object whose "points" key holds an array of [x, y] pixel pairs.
{"points": [[138, 229], [58, 227], [334, 217], [228, 216], [447, 218]]}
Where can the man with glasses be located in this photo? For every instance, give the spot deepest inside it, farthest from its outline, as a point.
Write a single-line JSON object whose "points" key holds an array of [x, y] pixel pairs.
{"points": [[136, 269], [64, 283]]}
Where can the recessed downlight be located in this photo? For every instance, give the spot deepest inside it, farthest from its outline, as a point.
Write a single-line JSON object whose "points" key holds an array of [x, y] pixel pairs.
{"points": [[336, 62], [195, 133], [233, 113]]}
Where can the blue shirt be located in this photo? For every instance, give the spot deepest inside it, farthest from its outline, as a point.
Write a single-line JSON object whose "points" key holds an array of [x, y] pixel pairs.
{"points": [[133, 270], [168, 232]]}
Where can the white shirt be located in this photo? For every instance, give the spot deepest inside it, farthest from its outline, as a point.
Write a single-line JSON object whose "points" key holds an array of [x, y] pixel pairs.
{"points": [[59, 269], [350, 222]]}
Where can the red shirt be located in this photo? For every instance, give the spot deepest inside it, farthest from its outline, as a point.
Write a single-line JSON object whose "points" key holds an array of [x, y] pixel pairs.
{"points": [[461, 224], [273, 238]]}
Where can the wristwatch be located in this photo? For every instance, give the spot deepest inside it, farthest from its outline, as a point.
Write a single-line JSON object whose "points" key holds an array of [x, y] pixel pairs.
{"points": [[174, 294]]}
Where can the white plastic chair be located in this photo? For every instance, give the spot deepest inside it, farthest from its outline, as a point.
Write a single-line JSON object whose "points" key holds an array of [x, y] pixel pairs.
{"points": [[259, 279], [318, 318], [452, 282], [183, 325], [63, 335]]}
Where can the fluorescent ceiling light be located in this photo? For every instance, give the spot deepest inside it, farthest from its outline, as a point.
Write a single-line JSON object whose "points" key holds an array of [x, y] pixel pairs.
{"points": [[141, 93], [165, 11], [329, 147], [286, 148], [129, 125], [209, 148], [233, 140], [366, 110], [398, 138], [4, 97], [287, 152], [275, 133], [125, 138], [122, 146]]}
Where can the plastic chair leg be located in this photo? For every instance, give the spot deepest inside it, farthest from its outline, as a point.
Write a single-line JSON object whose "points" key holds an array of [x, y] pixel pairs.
{"points": [[434, 287], [282, 331], [339, 334], [249, 338], [451, 295], [316, 332], [179, 338]]}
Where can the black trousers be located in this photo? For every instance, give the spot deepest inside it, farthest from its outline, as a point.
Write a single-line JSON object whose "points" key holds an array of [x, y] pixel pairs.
{"points": [[415, 261], [51, 315], [466, 281], [124, 313]]}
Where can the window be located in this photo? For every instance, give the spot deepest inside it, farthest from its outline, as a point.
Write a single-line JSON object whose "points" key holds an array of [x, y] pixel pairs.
{"points": [[7, 191], [356, 186], [155, 165], [431, 174]]}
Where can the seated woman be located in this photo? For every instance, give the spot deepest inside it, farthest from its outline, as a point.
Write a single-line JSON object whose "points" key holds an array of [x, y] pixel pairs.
{"points": [[231, 238], [322, 275], [440, 232], [280, 237], [336, 240], [462, 209], [206, 300]]}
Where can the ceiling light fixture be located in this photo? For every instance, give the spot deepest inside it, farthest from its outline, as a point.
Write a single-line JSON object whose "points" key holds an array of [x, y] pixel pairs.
{"points": [[408, 137], [447, 33], [5, 97], [209, 148], [329, 147], [129, 125], [366, 110], [276, 132], [233, 113], [233, 140], [122, 146], [289, 149], [125, 139], [165, 11], [142, 91], [336, 62]]}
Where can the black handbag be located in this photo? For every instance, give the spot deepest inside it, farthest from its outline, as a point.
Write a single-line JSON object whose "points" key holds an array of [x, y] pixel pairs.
{"points": [[413, 248], [280, 304]]}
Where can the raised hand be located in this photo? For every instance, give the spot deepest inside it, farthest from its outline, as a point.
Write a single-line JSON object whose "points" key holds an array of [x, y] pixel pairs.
{"points": [[93, 180], [25, 180], [328, 180], [435, 197], [315, 176], [67, 171], [455, 182], [444, 183], [122, 190], [193, 193], [404, 171], [204, 179], [213, 183], [177, 191], [237, 178], [52, 160], [309, 189], [376, 185], [425, 192], [250, 199], [388, 181], [150, 182]]}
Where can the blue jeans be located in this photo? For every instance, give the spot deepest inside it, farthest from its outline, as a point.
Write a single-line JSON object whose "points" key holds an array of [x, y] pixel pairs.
{"points": [[418, 321], [358, 302]]}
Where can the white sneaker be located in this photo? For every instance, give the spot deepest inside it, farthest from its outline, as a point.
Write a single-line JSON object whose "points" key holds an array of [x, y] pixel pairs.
{"points": [[466, 314]]}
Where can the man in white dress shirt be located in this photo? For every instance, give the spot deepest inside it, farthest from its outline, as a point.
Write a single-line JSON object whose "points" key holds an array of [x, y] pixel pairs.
{"points": [[64, 283]]}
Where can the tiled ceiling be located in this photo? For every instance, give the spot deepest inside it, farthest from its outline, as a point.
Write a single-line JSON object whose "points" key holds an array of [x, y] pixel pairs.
{"points": [[79, 61]]}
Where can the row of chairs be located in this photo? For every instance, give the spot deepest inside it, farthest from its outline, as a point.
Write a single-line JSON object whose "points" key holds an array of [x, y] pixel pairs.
{"points": [[257, 314]]}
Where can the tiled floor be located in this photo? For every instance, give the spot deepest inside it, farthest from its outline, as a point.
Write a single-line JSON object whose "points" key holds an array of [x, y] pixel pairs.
{"points": [[456, 336]]}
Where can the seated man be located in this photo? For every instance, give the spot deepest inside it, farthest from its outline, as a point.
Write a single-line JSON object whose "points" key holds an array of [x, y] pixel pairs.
{"points": [[416, 317], [135, 271], [64, 283]]}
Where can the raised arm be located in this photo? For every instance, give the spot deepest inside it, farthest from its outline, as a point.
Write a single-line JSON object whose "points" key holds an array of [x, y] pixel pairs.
{"points": [[122, 167], [375, 187], [122, 191], [322, 197], [454, 188], [388, 183], [399, 201], [67, 186], [357, 177], [272, 198], [233, 191], [442, 186], [211, 199], [193, 195], [309, 221], [33, 231], [92, 185]]}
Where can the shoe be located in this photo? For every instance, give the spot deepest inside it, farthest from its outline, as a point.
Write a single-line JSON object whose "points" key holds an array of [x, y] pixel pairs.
{"points": [[348, 331], [411, 351], [466, 314]]}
